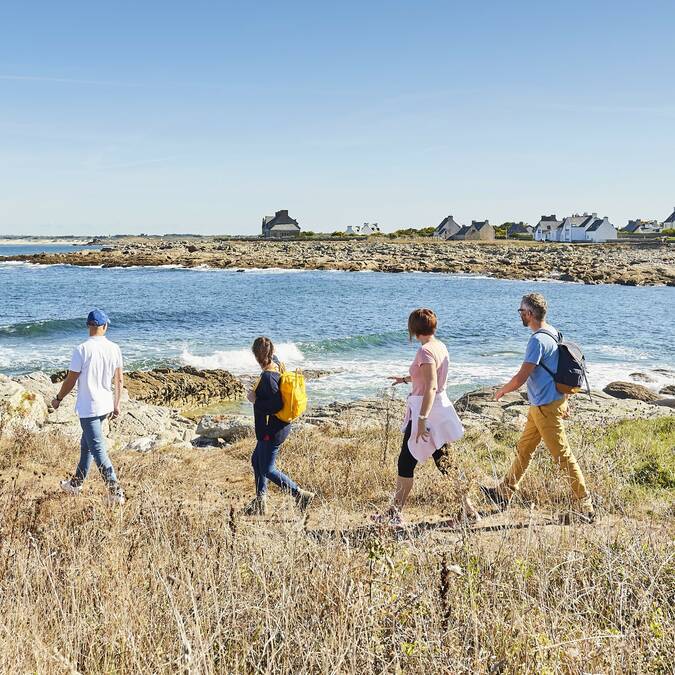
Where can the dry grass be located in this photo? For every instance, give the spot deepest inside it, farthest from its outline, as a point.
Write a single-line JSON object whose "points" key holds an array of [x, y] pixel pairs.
{"points": [[176, 582]]}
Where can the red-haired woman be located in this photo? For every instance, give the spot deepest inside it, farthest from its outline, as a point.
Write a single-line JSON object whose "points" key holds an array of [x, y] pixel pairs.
{"points": [[430, 421], [270, 432]]}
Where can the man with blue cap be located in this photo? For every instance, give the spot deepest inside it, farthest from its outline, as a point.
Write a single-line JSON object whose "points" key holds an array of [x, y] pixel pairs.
{"points": [[96, 368]]}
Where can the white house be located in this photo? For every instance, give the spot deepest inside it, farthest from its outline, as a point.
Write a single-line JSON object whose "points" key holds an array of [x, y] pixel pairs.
{"points": [[353, 229], [369, 228], [600, 230], [669, 222], [547, 228], [575, 228]]}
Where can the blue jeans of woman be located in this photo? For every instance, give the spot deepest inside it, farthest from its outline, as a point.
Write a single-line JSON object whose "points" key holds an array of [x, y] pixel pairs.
{"points": [[263, 459], [93, 446]]}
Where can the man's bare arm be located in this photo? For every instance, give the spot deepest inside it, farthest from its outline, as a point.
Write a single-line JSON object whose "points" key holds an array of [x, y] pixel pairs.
{"points": [[517, 381]]}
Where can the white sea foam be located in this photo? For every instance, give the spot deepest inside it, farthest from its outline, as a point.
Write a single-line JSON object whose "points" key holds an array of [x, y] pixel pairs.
{"points": [[625, 352], [241, 361]]}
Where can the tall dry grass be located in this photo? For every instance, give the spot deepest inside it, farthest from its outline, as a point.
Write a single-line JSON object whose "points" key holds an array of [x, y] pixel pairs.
{"points": [[176, 581]]}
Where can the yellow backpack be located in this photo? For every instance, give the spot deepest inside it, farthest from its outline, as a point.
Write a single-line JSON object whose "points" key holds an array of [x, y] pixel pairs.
{"points": [[293, 394]]}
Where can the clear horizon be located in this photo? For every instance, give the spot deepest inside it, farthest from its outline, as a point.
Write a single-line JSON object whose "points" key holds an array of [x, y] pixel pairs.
{"points": [[152, 118]]}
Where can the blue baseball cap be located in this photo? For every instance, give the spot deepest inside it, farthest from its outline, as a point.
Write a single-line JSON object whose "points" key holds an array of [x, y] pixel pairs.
{"points": [[97, 317]]}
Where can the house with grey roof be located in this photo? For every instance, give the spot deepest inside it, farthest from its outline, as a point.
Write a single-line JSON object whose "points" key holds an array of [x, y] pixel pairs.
{"points": [[447, 228], [642, 227], [479, 230], [669, 222], [547, 228], [519, 230], [280, 226]]}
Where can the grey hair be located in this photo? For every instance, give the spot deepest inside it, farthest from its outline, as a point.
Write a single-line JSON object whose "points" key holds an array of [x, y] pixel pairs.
{"points": [[535, 303]]}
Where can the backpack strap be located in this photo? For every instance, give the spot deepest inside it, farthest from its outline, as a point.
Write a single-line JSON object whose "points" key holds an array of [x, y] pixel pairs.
{"points": [[557, 339]]}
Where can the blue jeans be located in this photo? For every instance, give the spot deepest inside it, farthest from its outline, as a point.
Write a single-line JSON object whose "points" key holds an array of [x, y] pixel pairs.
{"points": [[263, 458], [92, 446]]}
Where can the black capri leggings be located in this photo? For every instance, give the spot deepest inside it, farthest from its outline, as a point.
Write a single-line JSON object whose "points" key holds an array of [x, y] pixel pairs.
{"points": [[407, 463]]}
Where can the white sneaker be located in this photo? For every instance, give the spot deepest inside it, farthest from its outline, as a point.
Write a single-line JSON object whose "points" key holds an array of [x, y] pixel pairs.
{"points": [[71, 489]]}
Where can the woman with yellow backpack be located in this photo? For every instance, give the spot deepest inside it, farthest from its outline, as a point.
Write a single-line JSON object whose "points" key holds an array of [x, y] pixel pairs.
{"points": [[278, 398]]}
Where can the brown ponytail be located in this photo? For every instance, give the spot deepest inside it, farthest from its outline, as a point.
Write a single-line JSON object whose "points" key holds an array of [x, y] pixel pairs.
{"points": [[263, 350]]}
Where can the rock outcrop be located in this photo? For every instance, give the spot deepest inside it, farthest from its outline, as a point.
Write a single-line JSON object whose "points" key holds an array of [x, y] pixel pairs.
{"points": [[630, 390], [229, 429], [620, 263], [140, 426], [19, 407], [183, 387]]}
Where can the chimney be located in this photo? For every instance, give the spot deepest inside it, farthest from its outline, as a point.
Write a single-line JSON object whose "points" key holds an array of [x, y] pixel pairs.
{"points": [[595, 215]]}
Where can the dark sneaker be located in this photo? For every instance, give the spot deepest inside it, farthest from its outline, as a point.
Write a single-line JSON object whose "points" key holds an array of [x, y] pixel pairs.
{"points": [[303, 499], [256, 507], [583, 517], [494, 496]]}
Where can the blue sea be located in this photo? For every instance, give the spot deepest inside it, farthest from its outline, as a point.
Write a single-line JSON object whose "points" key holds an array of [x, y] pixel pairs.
{"points": [[352, 324]]}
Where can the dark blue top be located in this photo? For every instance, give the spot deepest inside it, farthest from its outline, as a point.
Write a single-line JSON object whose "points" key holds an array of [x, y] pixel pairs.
{"points": [[268, 401]]}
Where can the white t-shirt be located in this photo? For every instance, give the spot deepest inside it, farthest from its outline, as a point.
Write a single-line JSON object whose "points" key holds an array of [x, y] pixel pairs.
{"points": [[96, 360]]}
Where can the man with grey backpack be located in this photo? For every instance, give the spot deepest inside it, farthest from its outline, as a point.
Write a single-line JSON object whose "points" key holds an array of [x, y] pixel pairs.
{"points": [[552, 369]]}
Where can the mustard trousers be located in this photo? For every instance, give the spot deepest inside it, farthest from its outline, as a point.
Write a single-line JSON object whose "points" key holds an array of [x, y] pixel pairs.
{"points": [[545, 422]]}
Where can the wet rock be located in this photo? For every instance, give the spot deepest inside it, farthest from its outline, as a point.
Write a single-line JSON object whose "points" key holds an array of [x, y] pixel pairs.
{"points": [[642, 377], [630, 390], [665, 402], [183, 387], [669, 390]]}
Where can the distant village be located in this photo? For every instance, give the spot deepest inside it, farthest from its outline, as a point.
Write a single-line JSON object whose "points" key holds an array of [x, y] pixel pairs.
{"points": [[585, 228]]}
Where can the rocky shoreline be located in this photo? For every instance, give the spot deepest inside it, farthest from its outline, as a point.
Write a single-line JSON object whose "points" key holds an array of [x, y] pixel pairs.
{"points": [[632, 264], [144, 425]]}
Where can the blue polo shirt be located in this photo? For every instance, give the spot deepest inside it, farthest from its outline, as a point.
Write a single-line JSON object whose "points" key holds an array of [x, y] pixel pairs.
{"points": [[542, 348]]}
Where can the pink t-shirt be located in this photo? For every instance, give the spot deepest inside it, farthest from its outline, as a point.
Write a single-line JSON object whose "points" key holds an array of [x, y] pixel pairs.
{"points": [[436, 353]]}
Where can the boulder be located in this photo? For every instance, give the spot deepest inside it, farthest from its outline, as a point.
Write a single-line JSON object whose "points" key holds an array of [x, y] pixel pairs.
{"points": [[669, 390], [630, 390], [140, 426], [183, 387], [665, 402], [230, 429], [19, 407]]}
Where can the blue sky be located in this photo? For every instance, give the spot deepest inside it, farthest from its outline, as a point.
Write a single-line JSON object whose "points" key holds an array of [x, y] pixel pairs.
{"points": [[203, 117]]}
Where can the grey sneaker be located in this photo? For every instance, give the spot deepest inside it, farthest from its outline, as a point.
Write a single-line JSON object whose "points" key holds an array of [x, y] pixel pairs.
{"points": [[115, 496], [70, 487], [256, 507], [303, 499]]}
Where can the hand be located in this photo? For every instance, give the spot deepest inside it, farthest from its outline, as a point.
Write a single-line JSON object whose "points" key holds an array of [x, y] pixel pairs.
{"points": [[115, 412], [56, 403], [422, 431], [250, 395], [397, 380], [499, 393]]}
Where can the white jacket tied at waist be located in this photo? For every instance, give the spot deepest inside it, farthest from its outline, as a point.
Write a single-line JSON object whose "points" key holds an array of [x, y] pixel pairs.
{"points": [[443, 423]]}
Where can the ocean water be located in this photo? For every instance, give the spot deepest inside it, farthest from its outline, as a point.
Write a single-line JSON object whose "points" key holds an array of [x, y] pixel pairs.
{"points": [[32, 249], [352, 324]]}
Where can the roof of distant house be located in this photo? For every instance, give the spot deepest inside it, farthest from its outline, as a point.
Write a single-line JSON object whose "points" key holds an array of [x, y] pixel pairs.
{"points": [[593, 227], [633, 226], [670, 218], [480, 224], [464, 229], [280, 218], [551, 217]]}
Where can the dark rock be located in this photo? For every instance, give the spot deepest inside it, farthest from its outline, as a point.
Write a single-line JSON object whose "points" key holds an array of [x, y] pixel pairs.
{"points": [[630, 390], [58, 376], [669, 390], [642, 377], [666, 402]]}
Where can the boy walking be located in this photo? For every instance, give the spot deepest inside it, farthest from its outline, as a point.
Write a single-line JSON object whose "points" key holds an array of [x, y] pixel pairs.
{"points": [[96, 368], [548, 407]]}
